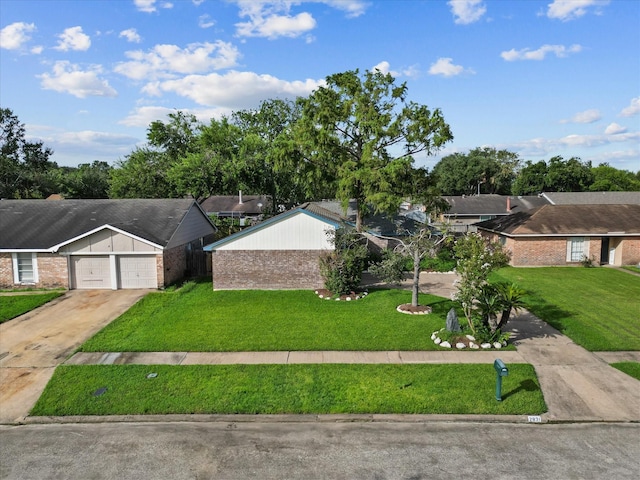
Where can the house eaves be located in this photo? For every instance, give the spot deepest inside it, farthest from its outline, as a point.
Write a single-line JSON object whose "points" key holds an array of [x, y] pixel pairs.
{"points": [[56, 248]]}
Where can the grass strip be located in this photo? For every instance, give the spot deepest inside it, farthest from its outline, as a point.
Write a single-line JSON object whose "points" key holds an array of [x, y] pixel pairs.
{"points": [[295, 389], [12, 306], [630, 368], [595, 307], [201, 320]]}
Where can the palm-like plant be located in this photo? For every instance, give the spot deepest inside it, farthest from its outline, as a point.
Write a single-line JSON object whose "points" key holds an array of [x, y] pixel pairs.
{"points": [[511, 299]]}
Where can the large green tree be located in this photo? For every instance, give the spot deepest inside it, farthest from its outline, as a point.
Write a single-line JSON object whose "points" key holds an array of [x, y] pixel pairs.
{"points": [[607, 178], [482, 170], [362, 130], [25, 168], [558, 175]]}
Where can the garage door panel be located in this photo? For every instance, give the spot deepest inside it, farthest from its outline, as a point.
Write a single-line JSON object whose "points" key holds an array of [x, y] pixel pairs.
{"points": [[137, 271], [91, 272]]}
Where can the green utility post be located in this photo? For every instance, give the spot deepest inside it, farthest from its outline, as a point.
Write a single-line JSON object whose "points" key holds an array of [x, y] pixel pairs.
{"points": [[502, 371]]}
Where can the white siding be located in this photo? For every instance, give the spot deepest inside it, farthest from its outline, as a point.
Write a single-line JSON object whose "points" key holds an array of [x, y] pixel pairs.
{"points": [[297, 232], [108, 241]]}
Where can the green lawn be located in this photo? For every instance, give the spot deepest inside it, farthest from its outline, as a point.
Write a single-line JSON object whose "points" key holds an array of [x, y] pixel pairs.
{"points": [[630, 368], [598, 308], [201, 320], [12, 306], [298, 389]]}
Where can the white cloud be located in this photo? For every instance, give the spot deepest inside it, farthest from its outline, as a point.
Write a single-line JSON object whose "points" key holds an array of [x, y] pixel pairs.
{"points": [[197, 3], [385, 68], [143, 116], [353, 8], [588, 116], [274, 26], [560, 51], [632, 109], [205, 21], [131, 35], [163, 61], [614, 129], [68, 78], [235, 90], [149, 6], [446, 68], [566, 10], [73, 39], [15, 35], [37, 50], [467, 11]]}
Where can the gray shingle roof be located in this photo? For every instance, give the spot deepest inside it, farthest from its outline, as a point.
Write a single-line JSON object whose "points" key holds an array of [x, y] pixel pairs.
{"points": [[477, 205], [592, 198], [569, 220], [42, 224]]}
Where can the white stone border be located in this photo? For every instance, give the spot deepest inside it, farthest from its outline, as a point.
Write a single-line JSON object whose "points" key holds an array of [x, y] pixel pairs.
{"points": [[460, 345]]}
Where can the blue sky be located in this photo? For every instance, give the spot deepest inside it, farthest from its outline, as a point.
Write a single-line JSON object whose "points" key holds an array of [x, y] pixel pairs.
{"points": [[539, 78]]}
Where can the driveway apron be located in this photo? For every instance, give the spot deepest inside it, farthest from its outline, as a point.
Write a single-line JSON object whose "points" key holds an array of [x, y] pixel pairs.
{"points": [[32, 345]]}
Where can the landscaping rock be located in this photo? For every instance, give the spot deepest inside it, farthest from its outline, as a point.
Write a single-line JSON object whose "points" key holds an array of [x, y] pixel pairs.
{"points": [[486, 345], [445, 345], [452, 321], [460, 345]]}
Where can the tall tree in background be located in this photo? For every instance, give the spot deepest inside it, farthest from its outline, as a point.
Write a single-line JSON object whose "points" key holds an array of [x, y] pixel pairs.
{"points": [[558, 175], [88, 180], [363, 130], [25, 168], [609, 179], [482, 170]]}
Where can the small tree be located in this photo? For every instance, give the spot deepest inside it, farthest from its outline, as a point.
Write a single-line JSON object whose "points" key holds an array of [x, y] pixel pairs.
{"points": [[476, 259], [423, 244]]}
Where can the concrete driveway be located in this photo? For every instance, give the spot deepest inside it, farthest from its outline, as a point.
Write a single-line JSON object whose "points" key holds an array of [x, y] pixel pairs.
{"points": [[32, 345]]}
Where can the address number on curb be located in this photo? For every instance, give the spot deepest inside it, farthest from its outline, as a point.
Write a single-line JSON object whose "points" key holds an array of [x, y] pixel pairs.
{"points": [[535, 419]]}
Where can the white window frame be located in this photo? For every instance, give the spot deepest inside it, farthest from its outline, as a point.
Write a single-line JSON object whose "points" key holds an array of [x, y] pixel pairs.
{"points": [[572, 252], [16, 268]]}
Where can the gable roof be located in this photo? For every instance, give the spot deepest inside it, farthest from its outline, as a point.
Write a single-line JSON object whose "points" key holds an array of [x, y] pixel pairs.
{"points": [[491, 204], [572, 220], [44, 225], [310, 209], [592, 198]]}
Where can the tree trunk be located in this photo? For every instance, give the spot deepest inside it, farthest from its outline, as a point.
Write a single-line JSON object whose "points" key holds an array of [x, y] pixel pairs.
{"points": [[416, 279], [504, 318]]}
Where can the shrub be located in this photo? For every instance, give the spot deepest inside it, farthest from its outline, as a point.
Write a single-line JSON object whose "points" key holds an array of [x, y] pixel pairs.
{"points": [[342, 269]]}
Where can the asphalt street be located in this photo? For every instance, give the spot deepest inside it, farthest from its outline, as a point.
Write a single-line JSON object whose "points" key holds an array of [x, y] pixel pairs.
{"points": [[316, 450]]}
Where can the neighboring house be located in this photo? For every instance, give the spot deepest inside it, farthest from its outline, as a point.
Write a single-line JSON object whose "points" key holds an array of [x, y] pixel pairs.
{"points": [[566, 234], [244, 208], [108, 244], [592, 198], [465, 211], [281, 252]]}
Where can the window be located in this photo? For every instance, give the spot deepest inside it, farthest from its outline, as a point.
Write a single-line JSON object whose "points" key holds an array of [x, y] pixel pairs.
{"points": [[575, 249], [25, 268]]}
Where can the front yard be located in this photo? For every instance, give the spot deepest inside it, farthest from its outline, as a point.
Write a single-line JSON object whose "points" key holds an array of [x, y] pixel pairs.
{"points": [[598, 308], [12, 306], [200, 320]]}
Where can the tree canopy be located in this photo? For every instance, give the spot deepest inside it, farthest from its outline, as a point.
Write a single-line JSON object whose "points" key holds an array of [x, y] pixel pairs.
{"points": [[362, 130]]}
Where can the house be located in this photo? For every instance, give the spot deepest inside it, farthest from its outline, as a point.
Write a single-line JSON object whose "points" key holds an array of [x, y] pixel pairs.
{"points": [[109, 244], [465, 211], [567, 234], [281, 252], [246, 209]]}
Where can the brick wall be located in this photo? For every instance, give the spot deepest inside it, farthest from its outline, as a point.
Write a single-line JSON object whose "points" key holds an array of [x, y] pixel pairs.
{"points": [[171, 268], [266, 269], [630, 251], [52, 271], [6, 271]]}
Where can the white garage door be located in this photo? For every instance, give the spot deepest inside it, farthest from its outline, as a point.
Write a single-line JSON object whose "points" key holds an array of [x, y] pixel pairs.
{"points": [[137, 271], [91, 272]]}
